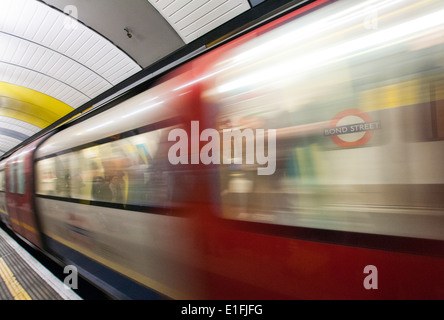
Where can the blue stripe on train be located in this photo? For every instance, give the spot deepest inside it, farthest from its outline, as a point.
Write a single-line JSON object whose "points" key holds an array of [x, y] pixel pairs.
{"points": [[114, 283]]}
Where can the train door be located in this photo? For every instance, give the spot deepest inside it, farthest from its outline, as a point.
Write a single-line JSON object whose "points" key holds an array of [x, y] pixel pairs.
{"points": [[19, 194], [11, 190], [3, 211]]}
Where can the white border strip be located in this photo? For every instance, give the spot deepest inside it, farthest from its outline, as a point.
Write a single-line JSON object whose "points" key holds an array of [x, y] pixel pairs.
{"points": [[53, 281]]}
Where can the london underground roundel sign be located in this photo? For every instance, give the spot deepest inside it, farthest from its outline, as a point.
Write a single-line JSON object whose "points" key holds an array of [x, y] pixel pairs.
{"points": [[351, 128]]}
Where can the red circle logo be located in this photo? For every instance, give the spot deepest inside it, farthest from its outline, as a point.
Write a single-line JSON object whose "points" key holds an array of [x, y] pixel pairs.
{"points": [[351, 128]]}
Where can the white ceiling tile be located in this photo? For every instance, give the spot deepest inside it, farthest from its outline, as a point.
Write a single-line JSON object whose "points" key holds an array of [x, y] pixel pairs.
{"points": [[175, 7], [35, 24], [39, 83], [75, 42], [44, 26], [65, 68], [18, 125], [56, 89], [102, 87], [192, 19], [94, 52], [85, 80], [70, 95], [78, 100], [27, 12], [64, 93], [108, 62], [83, 47], [22, 75], [20, 52], [47, 85], [40, 53], [193, 11], [4, 10], [35, 10], [8, 73], [65, 43], [6, 140], [96, 58], [119, 69], [31, 50], [3, 40], [28, 77], [33, 80], [114, 64], [52, 32], [13, 75], [44, 59], [10, 45], [123, 69], [123, 75], [13, 12], [108, 52], [36, 57], [56, 64], [76, 78], [62, 36]]}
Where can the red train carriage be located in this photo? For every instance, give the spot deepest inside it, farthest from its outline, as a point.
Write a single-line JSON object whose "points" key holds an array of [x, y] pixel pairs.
{"points": [[19, 190], [3, 210], [144, 199], [338, 206]]}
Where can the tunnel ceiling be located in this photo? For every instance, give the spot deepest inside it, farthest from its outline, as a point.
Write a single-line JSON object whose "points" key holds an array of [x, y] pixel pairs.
{"points": [[57, 55]]}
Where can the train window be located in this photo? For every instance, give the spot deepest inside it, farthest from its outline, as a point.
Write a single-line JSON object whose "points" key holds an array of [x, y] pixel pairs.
{"points": [[12, 176], [2, 180], [46, 176], [131, 170], [128, 171], [438, 109], [21, 176], [108, 176], [62, 182]]}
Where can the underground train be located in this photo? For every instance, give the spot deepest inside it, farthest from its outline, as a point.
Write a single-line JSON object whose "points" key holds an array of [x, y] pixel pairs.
{"points": [[301, 160]]}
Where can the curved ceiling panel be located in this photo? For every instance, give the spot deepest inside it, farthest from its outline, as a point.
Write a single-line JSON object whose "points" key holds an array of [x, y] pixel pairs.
{"points": [[152, 36], [58, 55], [30, 106], [50, 64], [24, 112], [18, 125], [48, 51], [193, 18], [7, 143]]}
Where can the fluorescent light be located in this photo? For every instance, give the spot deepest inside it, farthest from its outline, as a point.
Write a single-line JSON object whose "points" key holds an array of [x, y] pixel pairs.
{"points": [[100, 126], [316, 28], [390, 36], [143, 109]]}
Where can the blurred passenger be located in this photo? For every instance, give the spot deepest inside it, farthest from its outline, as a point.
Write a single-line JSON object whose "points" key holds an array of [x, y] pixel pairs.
{"points": [[77, 183], [137, 172], [117, 187], [100, 189], [62, 179]]}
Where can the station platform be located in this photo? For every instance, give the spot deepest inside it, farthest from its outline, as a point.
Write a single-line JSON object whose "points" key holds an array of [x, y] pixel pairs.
{"points": [[22, 277]]}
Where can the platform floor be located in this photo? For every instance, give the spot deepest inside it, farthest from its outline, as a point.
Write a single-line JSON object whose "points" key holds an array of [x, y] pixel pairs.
{"points": [[22, 277]]}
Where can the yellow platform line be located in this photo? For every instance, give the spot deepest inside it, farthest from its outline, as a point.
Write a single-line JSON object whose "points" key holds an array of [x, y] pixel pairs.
{"points": [[11, 282]]}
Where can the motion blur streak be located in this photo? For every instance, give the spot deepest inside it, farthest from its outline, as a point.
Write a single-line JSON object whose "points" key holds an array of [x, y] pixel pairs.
{"points": [[355, 94], [305, 73]]}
